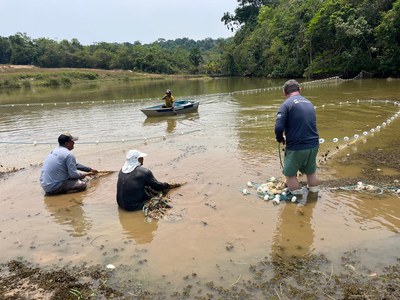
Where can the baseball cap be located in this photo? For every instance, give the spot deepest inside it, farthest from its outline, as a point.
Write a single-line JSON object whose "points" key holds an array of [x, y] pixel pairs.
{"points": [[66, 137]]}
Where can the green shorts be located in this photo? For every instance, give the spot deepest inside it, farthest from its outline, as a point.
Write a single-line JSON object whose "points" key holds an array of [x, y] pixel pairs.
{"points": [[304, 161]]}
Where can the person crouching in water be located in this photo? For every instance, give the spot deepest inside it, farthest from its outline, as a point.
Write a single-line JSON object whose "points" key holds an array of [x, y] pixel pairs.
{"points": [[134, 180], [60, 174]]}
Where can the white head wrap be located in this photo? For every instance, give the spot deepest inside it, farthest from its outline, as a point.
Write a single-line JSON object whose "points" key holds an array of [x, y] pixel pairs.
{"points": [[132, 160]]}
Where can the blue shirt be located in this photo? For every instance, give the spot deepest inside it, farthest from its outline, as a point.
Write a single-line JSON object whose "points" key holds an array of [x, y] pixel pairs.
{"points": [[59, 166], [297, 119]]}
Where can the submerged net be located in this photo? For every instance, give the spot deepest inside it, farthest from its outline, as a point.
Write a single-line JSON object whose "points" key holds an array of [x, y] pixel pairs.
{"points": [[330, 146], [275, 190], [362, 187], [159, 202]]}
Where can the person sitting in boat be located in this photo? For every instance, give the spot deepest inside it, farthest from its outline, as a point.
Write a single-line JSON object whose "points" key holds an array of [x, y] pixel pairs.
{"points": [[135, 182], [168, 98]]}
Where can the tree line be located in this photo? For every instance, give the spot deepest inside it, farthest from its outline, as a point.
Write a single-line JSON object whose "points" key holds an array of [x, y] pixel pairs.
{"points": [[273, 38], [314, 38], [168, 57]]}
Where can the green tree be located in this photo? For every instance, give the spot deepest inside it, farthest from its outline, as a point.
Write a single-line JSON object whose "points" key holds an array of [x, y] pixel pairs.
{"points": [[5, 50], [49, 54], [195, 59], [245, 14], [340, 40], [22, 49], [388, 42]]}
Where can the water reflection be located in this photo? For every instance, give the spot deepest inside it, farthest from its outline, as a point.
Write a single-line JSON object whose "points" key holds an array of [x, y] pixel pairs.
{"points": [[136, 227], [170, 123], [68, 210], [294, 233]]}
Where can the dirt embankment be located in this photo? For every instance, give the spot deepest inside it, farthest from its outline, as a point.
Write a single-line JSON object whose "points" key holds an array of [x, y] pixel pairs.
{"points": [[309, 277]]}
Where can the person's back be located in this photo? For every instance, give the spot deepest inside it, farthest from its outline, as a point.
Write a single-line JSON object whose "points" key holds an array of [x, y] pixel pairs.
{"points": [[60, 169], [297, 118], [130, 189], [133, 179], [55, 171]]}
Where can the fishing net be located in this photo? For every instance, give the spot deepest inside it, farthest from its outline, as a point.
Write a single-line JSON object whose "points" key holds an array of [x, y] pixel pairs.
{"points": [[159, 203], [157, 206], [370, 188], [274, 189]]}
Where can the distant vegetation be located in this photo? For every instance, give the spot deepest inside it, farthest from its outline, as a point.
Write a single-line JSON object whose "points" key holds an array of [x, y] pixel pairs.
{"points": [[273, 38]]}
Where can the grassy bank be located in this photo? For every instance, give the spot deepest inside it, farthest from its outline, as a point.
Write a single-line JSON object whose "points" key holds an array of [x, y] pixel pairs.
{"points": [[25, 77]]}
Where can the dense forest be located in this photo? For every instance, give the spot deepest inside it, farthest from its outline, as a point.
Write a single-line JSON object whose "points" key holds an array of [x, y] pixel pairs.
{"points": [[273, 38]]}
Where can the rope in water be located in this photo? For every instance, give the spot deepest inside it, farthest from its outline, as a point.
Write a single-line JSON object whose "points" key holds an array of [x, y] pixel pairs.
{"points": [[250, 91], [280, 156], [360, 187], [97, 142]]}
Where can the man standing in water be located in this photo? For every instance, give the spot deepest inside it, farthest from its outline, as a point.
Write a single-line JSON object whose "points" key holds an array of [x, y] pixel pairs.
{"points": [[297, 119], [60, 170]]}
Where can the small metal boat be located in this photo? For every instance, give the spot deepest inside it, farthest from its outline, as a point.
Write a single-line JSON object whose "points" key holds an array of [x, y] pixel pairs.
{"points": [[180, 107]]}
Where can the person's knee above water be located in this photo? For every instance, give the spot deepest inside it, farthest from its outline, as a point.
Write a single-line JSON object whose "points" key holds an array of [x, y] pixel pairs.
{"points": [[133, 179], [168, 98], [60, 169], [296, 119]]}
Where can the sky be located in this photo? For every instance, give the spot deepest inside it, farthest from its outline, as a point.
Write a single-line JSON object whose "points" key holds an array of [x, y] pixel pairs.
{"points": [[94, 21]]}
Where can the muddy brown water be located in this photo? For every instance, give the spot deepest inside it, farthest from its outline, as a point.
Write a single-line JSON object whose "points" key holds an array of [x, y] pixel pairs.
{"points": [[213, 230]]}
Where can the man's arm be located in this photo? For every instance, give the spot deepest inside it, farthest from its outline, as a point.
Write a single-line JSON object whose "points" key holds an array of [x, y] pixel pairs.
{"points": [[154, 183], [71, 164], [280, 124]]}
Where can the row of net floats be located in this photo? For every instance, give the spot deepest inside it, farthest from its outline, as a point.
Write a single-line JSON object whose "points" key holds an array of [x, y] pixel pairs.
{"points": [[365, 133], [97, 142], [314, 82]]}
